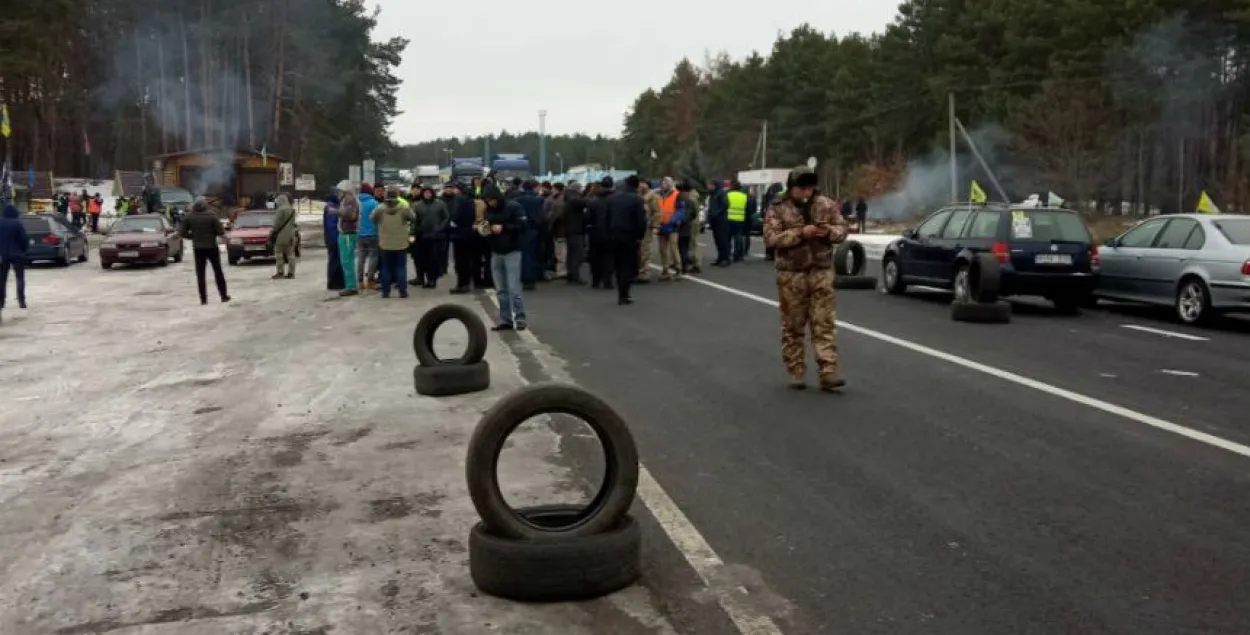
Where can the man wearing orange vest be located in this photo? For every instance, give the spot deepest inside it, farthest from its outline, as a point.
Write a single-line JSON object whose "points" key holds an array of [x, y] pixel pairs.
{"points": [[667, 230]]}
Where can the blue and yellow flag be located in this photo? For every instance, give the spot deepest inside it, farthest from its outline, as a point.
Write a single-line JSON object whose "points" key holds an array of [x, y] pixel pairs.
{"points": [[1206, 205], [6, 128], [977, 195]]}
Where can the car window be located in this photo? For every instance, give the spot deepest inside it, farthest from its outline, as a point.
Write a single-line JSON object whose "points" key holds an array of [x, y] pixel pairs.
{"points": [[138, 225], [1237, 231], [254, 220], [1176, 233], [35, 224], [1197, 238], [955, 227], [984, 225], [933, 225], [1143, 235], [1048, 226]]}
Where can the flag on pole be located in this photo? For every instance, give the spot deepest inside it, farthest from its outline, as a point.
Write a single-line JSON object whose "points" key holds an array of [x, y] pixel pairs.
{"points": [[976, 194], [6, 184], [1206, 205], [6, 128]]}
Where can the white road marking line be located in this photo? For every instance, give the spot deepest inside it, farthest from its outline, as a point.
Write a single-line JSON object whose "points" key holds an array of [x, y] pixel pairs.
{"points": [[684, 535], [1097, 404], [1183, 336], [1178, 373]]}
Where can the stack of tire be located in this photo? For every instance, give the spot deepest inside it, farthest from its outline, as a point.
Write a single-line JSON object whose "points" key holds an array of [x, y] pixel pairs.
{"points": [[553, 553], [437, 377], [849, 262], [976, 286]]}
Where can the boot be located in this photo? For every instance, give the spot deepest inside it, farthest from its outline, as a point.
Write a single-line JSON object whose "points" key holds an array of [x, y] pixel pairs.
{"points": [[830, 382]]}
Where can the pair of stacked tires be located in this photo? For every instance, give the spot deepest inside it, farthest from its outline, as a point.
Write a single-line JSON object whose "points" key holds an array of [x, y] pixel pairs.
{"points": [[849, 262], [437, 377], [977, 285], [553, 553]]}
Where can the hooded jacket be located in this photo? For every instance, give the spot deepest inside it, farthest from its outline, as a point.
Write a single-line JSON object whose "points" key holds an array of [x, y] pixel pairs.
{"points": [[430, 217], [717, 205], [532, 205], [394, 221], [285, 228], [349, 213], [14, 242], [510, 216], [202, 227], [627, 216], [368, 229], [463, 216], [330, 222]]}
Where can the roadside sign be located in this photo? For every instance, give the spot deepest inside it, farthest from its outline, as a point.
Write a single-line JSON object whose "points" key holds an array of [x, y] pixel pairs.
{"points": [[353, 174], [286, 174], [370, 171], [389, 176], [306, 183]]}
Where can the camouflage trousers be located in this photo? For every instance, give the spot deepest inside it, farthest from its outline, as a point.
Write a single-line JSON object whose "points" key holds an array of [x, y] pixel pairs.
{"points": [[807, 298], [644, 255]]}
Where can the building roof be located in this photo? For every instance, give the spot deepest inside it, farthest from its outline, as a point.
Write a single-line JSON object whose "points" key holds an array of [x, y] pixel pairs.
{"points": [[183, 153]]}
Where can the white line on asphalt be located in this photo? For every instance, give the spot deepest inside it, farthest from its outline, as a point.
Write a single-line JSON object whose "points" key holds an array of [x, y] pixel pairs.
{"points": [[1178, 373], [685, 536], [1097, 404], [1184, 336]]}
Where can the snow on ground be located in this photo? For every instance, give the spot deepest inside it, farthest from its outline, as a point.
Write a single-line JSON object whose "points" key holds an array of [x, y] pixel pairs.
{"points": [[261, 466]]}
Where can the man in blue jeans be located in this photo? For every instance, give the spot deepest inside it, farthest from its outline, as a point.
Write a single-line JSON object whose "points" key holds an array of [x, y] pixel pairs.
{"points": [[506, 223], [14, 243]]}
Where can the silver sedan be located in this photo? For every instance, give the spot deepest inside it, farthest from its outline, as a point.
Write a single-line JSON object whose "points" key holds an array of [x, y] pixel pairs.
{"points": [[1195, 263]]}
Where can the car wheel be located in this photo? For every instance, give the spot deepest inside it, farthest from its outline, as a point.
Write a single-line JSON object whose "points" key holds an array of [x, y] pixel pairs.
{"points": [[178, 258], [84, 256], [106, 265], [64, 260], [1193, 302], [892, 277], [165, 261]]}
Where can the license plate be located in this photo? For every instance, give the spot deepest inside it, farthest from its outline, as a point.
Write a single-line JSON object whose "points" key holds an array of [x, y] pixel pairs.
{"points": [[128, 254], [1053, 259], [255, 248]]}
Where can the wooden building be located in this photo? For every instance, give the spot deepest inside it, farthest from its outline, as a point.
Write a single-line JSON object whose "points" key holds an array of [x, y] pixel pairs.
{"points": [[226, 177]]}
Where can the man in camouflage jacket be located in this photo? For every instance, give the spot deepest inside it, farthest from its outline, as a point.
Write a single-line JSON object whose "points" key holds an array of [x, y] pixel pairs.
{"points": [[803, 227]]}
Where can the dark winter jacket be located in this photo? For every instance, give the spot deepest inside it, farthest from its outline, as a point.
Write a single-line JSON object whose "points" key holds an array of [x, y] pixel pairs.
{"points": [[202, 227], [330, 221], [532, 205], [510, 216], [463, 215], [627, 216], [557, 222], [430, 218], [717, 204], [574, 213], [14, 242], [597, 216]]}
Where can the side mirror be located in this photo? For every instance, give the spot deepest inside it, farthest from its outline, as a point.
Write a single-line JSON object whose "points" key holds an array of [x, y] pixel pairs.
{"points": [[909, 234], [1111, 242]]}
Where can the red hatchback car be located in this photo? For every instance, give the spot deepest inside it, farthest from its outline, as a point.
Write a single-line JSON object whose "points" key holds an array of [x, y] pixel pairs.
{"points": [[248, 237], [141, 239]]}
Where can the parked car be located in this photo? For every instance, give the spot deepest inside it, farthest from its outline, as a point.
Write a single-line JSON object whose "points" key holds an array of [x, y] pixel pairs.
{"points": [[248, 237], [52, 238], [176, 201], [1197, 264], [141, 239], [1045, 252]]}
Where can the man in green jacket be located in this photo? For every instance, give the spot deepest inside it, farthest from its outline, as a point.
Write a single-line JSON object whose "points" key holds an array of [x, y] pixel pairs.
{"points": [[284, 237], [430, 219], [394, 221]]}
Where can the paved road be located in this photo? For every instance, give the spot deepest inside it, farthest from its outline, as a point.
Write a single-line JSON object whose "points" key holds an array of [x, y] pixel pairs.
{"points": [[931, 497]]}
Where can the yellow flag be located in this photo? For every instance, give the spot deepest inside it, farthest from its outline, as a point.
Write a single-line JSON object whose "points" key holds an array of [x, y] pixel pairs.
{"points": [[977, 195], [1206, 205], [6, 128]]}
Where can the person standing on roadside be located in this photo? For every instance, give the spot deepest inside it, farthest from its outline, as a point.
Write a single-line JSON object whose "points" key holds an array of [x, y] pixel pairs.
{"points": [[14, 246], [203, 228], [575, 230], [464, 237], [75, 210], [667, 230], [627, 225], [861, 214], [555, 211], [506, 222], [597, 228], [284, 237], [532, 265], [651, 201], [741, 209], [429, 224], [330, 236], [367, 240], [95, 205], [688, 238], [394, 221], [803, 228], [771, 196], [349, 229]]}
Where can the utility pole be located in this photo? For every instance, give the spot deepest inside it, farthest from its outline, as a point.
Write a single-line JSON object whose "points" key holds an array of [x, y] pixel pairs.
{"points": [[980, 159], [1180, 186], [764, 147], [950, 101], [542, 142]]}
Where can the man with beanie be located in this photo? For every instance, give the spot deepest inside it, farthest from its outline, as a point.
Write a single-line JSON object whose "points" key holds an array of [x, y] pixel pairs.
{"points": [[349, 229], [626, 226], [597, 228], [394, 221], [367, 241], [203, 228], [505, 222], [803, 227], [430, 220], [14, 246], [532, 265]]}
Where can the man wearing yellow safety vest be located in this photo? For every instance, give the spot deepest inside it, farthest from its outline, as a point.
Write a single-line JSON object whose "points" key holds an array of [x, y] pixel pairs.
{"points": [[741, 210]]}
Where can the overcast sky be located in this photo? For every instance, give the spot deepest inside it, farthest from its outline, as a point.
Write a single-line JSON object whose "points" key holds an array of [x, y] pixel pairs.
{"points": [[583, 62]]}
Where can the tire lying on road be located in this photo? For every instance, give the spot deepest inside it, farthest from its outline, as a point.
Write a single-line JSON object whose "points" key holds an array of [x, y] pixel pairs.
{"points": [[427, 326], [620, 457], [565, 569], [997, 312], [854, 283], [849, 259], [445, 380]]}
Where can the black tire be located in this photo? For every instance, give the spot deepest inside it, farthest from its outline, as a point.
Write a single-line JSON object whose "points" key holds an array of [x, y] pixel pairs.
{"points": [[84, 257], [858, 259], [106, 265], [998, 312], [620, 457], [427, 326], [567, 569], [896, 286], [445, 380], [854, 283], [178, 258], [66, 260], [1195, 309], [987, 279]]}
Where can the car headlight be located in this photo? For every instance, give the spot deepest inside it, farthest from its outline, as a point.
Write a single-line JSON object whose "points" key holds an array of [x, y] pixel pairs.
{"points": [[149, 245], [236, 241], [108, 247]]}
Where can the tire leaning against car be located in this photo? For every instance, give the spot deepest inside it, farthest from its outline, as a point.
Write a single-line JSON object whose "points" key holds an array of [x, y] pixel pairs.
{"points": [[620, 454], [566, 569], [427, 326]]}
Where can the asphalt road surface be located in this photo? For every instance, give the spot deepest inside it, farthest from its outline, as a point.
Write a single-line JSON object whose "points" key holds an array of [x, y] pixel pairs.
{"points": [[1058, 474]]}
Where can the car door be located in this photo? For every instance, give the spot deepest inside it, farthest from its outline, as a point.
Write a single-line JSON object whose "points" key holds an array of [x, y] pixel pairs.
{"points": [[1122, 273], [950, 242], [1163, 263], [75, 241], [919, 254]]}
